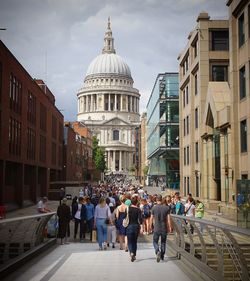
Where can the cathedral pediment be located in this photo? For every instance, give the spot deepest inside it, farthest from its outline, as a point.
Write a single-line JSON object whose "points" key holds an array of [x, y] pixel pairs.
{"points": [[116, 122]]}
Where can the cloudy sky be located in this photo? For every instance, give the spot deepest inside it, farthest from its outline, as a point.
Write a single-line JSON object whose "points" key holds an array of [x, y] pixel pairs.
{"points": [[56, 40]]}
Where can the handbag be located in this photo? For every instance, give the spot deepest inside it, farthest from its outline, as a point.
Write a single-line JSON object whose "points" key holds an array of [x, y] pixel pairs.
{"points": [[94, 235], [125, 221]]}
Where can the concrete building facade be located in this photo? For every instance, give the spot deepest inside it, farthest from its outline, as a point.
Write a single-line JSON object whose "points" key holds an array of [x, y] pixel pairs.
{"points": [[109, 105], [215, 103]]}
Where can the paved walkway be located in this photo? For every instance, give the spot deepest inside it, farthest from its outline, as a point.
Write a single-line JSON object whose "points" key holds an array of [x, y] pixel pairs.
{"points": [[82, 261]]}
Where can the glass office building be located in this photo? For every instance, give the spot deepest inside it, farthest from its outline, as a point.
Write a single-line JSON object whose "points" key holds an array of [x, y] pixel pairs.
{"points": [[163, 131]]}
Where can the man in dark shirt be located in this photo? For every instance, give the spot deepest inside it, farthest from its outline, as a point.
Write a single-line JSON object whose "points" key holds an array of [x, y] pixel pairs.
{"points": [[160, 214]]}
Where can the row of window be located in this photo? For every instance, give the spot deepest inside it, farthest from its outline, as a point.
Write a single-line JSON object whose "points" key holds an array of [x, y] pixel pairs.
{"points": [[186, 126], [186, 183], [241, 28], [108, 81], [186, 154]]}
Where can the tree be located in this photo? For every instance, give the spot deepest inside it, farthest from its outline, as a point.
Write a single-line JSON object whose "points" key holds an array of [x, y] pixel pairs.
{"points": [[98, 155], [145, 170]]}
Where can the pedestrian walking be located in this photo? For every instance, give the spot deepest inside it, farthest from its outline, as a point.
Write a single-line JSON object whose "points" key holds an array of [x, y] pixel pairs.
{"points": [[160, 215], [90, 210], [101, 218], [79, 216], [63, 212], [134, 227], [120, 214]]}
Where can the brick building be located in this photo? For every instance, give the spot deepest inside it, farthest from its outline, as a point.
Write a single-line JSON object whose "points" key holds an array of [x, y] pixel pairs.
{"points": [[31, 134]]}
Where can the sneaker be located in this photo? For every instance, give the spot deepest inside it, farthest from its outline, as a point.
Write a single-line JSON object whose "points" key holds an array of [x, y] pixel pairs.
{"points": [[100, 248], [105, 246], [133, 258], [158, 256], [162, 257], [113, 246]]}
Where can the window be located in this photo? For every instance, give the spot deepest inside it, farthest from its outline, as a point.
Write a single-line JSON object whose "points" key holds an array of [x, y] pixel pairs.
{"points": [[31, 144], [184, 126], [187, 95], [195, 48], [54, 127], [196, 152], [43, 117], [219, 73], [53, 153], [184, 98], [220, 40], [42, 149], [196, 120], [187, 155], [242, 81], [185, 186], [195, 84], [241, 32], [244, 176], [31, 110], [115, 135], [197, 187], [14, 137], [15, 94], [187, 123], [188, 185], [243, 135]]}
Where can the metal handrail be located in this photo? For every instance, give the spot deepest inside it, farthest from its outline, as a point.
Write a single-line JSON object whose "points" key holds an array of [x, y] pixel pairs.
{"points": [[21, 234], [205, 243]]}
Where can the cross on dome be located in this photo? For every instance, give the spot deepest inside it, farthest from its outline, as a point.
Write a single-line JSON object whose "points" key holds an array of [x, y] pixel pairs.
{"points": [[108, 41]]}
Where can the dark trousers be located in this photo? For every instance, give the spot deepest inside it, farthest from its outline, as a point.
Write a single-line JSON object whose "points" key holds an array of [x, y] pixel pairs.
{"points": [[89, 226], [132, 232], [82, 228], [156, 237]]}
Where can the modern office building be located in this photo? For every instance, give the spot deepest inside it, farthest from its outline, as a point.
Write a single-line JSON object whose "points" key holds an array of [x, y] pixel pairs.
{"points": [[215, 103], [204, 66], [163, 131], [143, 150], [31, 135], [109, 104]]}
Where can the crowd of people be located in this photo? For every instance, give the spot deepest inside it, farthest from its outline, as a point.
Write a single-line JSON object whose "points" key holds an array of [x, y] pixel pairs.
{"points": [[119, 211]]}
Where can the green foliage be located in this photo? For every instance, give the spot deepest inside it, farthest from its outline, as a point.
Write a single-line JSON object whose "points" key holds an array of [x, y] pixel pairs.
{"points": [[98, 155], [145, 170]]}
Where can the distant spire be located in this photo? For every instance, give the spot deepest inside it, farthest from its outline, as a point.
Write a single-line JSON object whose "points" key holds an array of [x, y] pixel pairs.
{"points": [[108, 41]]}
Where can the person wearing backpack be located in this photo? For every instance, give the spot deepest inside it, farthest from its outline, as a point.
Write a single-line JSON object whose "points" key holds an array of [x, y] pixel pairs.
{"points": [[146, 214], [179, 207]]}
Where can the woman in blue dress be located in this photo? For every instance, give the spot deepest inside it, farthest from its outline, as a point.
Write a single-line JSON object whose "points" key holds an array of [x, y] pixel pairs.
{"points": [[120, 214]]}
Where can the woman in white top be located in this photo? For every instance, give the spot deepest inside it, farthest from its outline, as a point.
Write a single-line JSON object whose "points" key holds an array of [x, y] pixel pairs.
{"points": [[190, 211]]}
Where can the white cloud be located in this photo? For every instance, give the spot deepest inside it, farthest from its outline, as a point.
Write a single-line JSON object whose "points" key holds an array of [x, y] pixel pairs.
{"points": [[149, 35]]}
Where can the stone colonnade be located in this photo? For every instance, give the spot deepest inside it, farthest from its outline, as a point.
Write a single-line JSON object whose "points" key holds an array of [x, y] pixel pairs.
{"points": [[119, 160], [108, 102]]}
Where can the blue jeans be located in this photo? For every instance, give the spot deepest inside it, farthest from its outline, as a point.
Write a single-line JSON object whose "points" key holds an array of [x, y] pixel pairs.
{"points": [[156, 238], [132, 232], [102, 230]]}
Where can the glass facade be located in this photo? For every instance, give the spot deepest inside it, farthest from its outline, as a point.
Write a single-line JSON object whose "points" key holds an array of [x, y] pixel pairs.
{"points": [[163, 131]]}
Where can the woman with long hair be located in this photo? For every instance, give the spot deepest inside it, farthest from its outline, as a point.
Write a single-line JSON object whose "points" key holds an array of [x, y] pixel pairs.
{"points": [[120, 214], [134, 227], [101, 217]]}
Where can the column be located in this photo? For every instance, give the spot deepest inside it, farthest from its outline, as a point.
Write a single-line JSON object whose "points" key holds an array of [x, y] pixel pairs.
{"points": [[113, 166], [138, 106], [121, 102], [108, 159], [103, 102], [87, 103], [211, 183], [115, 105], [109, 102], [127, 103], [91, 103], [120, 161], [131, 103]]}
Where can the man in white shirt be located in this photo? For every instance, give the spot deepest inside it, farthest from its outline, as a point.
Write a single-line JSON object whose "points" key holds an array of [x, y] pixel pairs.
{"points": [[42, 206]]}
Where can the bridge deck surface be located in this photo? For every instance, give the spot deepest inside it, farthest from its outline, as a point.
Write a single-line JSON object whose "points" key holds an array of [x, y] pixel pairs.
{"points": [[83, 261]]}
